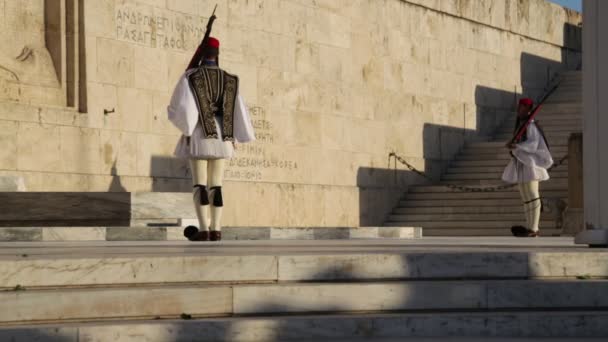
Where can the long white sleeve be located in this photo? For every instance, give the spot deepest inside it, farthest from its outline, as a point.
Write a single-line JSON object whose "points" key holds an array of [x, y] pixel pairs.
{"points": [[534, 151], [532, 141], [182, 110], [243, 128]]}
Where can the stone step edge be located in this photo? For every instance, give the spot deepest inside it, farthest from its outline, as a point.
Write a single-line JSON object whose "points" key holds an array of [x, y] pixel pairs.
{"points": [[175, 233], [531, 324], [350, 265], [323, 283], [303, 298]]}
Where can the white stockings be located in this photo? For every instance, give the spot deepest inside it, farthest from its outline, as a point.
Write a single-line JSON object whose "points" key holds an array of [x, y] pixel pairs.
{"points": [[207, 177], [532, 203]]}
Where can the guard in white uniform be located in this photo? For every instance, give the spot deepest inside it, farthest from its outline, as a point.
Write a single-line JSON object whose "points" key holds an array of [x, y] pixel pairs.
{"points": [[528, 166], [207, 108]]}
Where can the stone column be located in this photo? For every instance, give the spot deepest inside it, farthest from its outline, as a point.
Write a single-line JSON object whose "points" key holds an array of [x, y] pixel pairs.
{"points": [[595, 123]]}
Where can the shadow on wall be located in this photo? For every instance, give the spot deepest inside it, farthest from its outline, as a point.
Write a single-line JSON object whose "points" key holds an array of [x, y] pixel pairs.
{"points": [[441, 143], [379, 190], [170, 174], [116, 185]]}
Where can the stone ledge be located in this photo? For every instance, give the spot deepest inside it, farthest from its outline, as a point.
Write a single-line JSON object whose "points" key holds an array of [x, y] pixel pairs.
{"points": [[12, 184], [34, 209], [170, 300], [476, 326], [168, 232], [101, 263]]}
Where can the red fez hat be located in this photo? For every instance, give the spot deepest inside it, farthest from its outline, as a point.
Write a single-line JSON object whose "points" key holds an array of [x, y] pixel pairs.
{"points": [[213, 43], [526, 102]]}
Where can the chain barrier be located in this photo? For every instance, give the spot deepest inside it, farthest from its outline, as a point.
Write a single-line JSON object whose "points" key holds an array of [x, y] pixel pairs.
{"points": [[467, 188]]}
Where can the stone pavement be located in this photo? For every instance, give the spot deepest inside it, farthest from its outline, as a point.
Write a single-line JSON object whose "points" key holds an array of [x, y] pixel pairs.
{"points": [[303, 290]]}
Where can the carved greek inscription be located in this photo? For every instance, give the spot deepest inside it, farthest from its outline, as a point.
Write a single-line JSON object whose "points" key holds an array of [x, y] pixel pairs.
{"points": [[254, 160], [161, 29]]}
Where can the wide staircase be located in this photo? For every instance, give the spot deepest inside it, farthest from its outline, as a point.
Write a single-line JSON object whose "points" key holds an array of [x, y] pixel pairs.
{"points": [[445, 211], [357, 290]]}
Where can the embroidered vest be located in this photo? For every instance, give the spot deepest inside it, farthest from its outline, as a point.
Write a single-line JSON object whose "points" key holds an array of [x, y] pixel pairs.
{"points": [[215, 92]]}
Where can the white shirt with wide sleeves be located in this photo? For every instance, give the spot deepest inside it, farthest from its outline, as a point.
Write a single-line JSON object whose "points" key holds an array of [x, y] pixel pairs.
{"points": [[184, 114], [531, 159]]}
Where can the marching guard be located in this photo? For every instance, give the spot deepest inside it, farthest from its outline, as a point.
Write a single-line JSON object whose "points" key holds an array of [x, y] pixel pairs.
{"points": [[530, 160], [207, 108]]}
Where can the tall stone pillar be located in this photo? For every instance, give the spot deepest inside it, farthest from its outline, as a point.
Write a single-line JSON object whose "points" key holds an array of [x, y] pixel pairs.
{"points": [[595, 123]]}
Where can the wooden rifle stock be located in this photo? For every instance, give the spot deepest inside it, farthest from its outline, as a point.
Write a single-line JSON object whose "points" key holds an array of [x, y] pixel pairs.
{"points": [[200, 51]]}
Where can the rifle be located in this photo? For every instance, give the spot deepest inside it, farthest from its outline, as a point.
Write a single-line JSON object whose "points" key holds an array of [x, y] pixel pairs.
{"points": [[524, 126], [196, 59]]}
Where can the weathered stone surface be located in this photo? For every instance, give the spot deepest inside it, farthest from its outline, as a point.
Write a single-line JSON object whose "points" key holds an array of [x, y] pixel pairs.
{"points": [[73, 234], [136, 234], [167, 229], [379, 266], [20, 234], [32, 209], [246, 233], [342, 298], [149, 205], [8, 139], [114, 303], [574, 221], [539, 326], [315, 90], [89, 271], [52, 334], [12, 183]]}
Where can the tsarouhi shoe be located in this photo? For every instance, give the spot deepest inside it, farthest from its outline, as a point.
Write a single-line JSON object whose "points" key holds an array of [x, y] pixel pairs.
{"points": [[530, 233], [518, 230], [193, 234], [525, 232], [215, 235]]}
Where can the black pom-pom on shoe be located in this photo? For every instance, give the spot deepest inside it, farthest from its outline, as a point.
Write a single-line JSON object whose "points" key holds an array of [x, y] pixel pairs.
{"points": [[518, 230], [190, 232]]}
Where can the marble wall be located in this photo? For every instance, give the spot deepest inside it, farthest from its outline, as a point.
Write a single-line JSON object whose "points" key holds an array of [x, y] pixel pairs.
{"points": [[333, 86]]}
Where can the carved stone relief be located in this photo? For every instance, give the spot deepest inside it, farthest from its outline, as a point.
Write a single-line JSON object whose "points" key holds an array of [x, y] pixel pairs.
{"points": [[33, 49]]}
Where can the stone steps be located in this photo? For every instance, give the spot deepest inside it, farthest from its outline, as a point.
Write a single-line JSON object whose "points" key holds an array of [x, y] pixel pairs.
{"points": [[462, 202], [483, 162], [513, 209], [480, 195], [78, 264], [504, 157], [470, 217], [549, 185], [573, 109], [545, 231], [441, 211], [492, 146], [559, 174], [550, 132], [427, 287], [560, 100], [485, 183], [175, 233], [508, 326], [118, 302], [477, 224], [559, 139], [481, 169]]}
